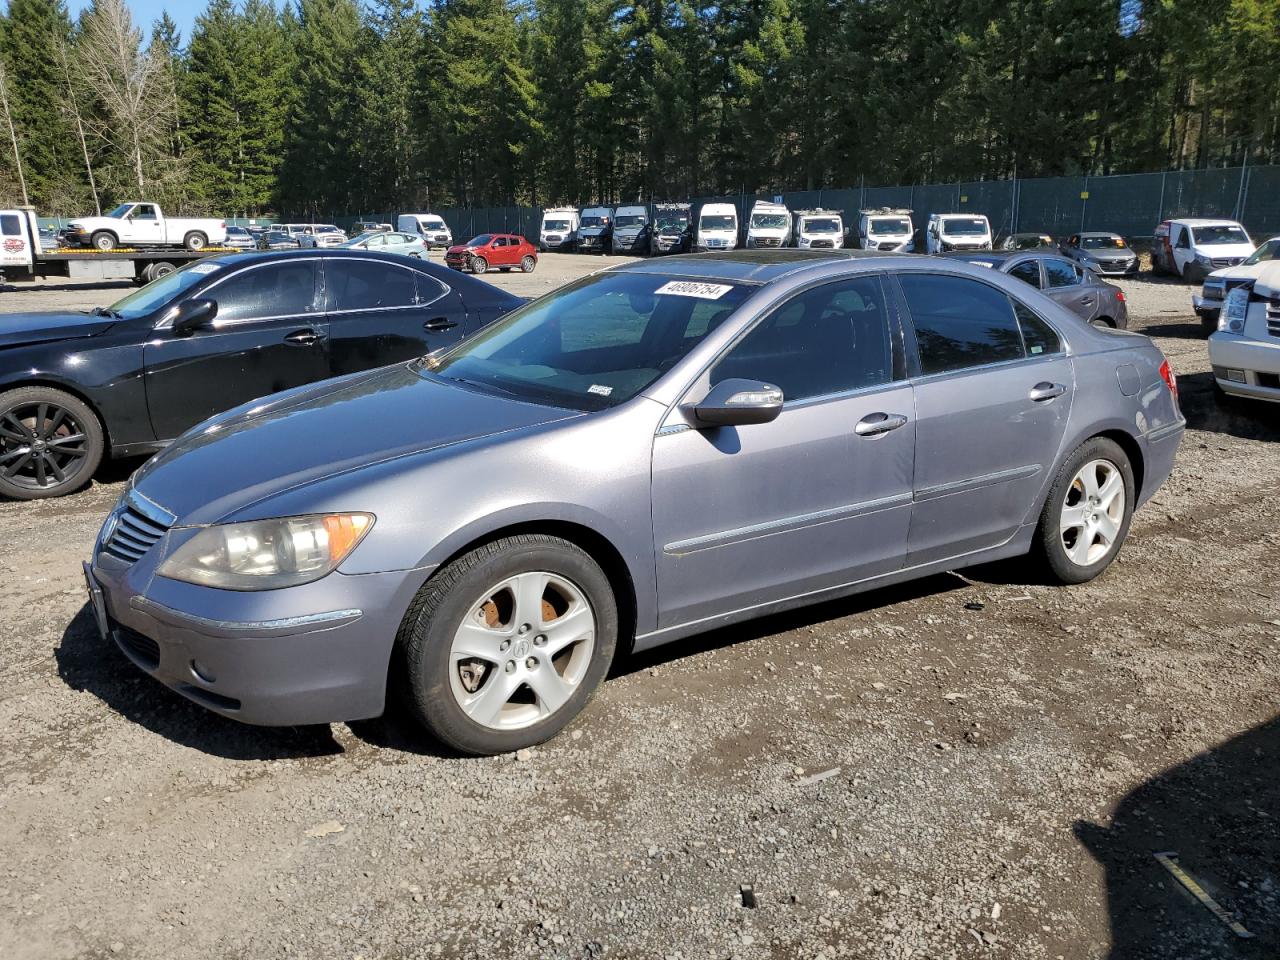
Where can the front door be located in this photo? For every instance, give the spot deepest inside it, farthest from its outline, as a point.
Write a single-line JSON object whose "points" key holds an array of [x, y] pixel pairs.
{"points": [[380, 313], [992, 400], [269, 335], [145, 226], [1066, 283], [818, 498]]}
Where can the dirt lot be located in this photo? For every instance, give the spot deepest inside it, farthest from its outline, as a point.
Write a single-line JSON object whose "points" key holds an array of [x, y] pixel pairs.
{"points": [[1007, 759]]}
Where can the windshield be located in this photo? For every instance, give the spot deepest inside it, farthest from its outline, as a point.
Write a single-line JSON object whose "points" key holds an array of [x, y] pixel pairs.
{"points": [[595, 343], [825, 225], [629, 221], [673, 223], [121, 210], [594, 221], [1268, 251], [555, 225], [362, 238], [895, 226], [159, 292], [769, 221], [717, 221], [434, 225], [1102, 243], [483, 240], [1208, 236], [965, 227]]}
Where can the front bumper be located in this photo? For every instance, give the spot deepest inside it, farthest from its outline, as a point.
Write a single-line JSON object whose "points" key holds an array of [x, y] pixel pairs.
{"points": [[1115, 270], [312, 654], [1206, 305], [1245, 367]]}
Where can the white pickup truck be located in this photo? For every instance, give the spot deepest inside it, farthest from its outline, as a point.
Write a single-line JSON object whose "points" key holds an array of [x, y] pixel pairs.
{"points": [[145, 225]]}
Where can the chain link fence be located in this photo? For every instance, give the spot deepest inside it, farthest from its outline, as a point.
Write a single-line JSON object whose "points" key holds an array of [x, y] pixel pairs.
{"points": [[1128, 204]]}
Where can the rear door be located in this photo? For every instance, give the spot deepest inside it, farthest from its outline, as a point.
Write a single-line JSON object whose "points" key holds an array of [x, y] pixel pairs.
{"points": [[1066, 282], [269, 335], [992, 398], [380, 312]]}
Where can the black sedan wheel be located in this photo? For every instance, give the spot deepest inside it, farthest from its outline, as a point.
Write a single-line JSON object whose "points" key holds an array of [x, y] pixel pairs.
{"points": [[50, 443]]}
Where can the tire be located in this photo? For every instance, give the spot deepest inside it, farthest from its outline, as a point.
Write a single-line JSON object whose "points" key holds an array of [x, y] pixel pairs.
{"points": [[1208, 323], [195, 240], [1066, 556], [103, 240], [479, 265], [1105, 323], [53, 420], [528, 263], [472, 601]]}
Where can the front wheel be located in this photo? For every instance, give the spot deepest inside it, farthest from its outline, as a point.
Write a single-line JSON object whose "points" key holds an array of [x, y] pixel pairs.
{"points": [[50, 443], [479, 265], [195, 241], [528, 263], [1087, 514], [505, 646], [104, 241]]}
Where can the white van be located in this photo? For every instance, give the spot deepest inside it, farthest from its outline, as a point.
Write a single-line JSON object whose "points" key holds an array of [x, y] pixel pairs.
{"points": [[559, 228], [769, 225], [717, 227], [885, 228], [1193, 249], [819, 229], [957, 231], [429, 226]]}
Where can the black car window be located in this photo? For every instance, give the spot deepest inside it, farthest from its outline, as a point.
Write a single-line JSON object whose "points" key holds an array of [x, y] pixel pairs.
{"points": [[960, 322], [10, 225], [826, 340], [1028, 271], [1038, 336], [368, 285], [1061, 273], [275, 290]]}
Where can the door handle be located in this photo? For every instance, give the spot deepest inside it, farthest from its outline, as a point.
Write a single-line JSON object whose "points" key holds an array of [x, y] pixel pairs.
{"points": [[1086, 300], [436, 324], [1046, 391], [875, 424], [302, 337]]}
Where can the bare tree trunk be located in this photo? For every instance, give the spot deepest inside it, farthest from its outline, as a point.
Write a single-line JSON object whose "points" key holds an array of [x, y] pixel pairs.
{"points": [[74, 105], [13, 135]]}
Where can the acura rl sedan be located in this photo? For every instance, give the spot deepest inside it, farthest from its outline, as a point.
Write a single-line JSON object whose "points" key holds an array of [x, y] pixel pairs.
{"points": [[126, 379], [649, 452]]}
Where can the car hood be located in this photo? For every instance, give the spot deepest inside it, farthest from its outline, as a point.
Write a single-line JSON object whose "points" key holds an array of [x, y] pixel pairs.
{"points": [[18, 329], [1241, 271], [1219, 251], [259, 450], [461, 248]]}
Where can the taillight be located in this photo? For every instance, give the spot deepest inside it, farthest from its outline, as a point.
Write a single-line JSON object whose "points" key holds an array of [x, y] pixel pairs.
{"points": [[1170, 381], [1120, 299]]}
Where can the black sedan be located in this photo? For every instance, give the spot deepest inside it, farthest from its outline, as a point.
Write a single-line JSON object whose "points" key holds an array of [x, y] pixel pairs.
{"points": [[129, 378]]}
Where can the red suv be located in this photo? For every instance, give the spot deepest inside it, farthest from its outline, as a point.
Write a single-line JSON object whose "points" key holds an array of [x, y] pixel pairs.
{"points": [[490, 250]]}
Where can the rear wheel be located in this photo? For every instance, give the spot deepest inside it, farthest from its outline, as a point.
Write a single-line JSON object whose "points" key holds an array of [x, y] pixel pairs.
{"points": [[50, 443], [1087, 514], [1106, 323], [479, 265], [528, 263], [505, 646]]}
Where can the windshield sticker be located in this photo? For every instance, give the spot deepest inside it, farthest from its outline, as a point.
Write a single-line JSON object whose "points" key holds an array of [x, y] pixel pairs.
{"points": [[687, 288], [600, 389], [204, 268]]}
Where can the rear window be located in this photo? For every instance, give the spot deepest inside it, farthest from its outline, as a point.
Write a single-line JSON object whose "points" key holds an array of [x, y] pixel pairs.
{"points": [[10, 225]]}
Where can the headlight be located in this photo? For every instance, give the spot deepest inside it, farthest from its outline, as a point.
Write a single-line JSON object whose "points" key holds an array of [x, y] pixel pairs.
{"points": [[1203, 260], [267, 554]]}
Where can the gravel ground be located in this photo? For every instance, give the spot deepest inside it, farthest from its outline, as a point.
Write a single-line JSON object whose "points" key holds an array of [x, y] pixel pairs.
{"points": [[965, 766]]}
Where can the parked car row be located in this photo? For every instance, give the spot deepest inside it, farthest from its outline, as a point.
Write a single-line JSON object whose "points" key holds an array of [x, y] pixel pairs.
{"points": [[607, 468]]}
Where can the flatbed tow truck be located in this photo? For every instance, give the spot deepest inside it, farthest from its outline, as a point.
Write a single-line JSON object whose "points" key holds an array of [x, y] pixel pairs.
{"points": [[23, 256]]}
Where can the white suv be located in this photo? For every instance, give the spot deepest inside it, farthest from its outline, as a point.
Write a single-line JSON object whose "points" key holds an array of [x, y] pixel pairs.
{"points": [[1245, 350]]}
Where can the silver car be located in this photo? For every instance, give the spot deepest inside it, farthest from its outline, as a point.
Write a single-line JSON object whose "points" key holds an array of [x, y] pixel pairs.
{"points": [[644, 454], [1079, 290], [1107, 254]]}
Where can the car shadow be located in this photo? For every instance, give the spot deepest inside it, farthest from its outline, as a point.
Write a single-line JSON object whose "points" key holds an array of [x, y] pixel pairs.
{"points": [[1207, 409], [87, 662], [1188, 330], [1215, 816]]}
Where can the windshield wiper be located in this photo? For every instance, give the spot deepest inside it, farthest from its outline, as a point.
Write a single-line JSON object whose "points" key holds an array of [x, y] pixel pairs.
{"points": [[105, 312]]}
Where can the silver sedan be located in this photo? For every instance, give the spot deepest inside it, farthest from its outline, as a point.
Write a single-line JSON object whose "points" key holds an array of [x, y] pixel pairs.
{"points": [[644, 454]]}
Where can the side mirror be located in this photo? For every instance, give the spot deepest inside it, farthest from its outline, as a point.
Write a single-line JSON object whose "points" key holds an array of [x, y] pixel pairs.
{"points": [[192, 315], [736, 402]]}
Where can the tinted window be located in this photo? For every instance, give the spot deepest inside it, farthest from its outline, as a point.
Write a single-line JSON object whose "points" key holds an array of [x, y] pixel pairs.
{"points": [[368, 285], [9, 225], [960, 322], [1061, 273], [826, 340], [1028, 271], [277, 290], [1038, 336]]}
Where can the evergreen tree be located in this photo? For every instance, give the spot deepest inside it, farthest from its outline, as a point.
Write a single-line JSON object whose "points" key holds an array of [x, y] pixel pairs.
{"points": [[390, 145]]}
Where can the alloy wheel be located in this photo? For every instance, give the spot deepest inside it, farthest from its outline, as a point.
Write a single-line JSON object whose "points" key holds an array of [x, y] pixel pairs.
{"points": [[41, 444], [522, 650], [1093, 512]]}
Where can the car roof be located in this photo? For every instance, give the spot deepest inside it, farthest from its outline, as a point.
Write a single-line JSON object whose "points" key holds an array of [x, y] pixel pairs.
{"points": [[328, 253], [995, 256], [1098, 233], [755, 266], [1203, 222]]}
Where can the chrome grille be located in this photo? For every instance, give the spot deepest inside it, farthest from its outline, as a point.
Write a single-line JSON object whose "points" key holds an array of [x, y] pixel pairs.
{"points": [[767, 241], [822, 244], [1220, 262], [134, 527], [1273, 318]]}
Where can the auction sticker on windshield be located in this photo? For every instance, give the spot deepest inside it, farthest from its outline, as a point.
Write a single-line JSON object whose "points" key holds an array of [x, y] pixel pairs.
{"points": [[688, 288], [204, 268]]}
